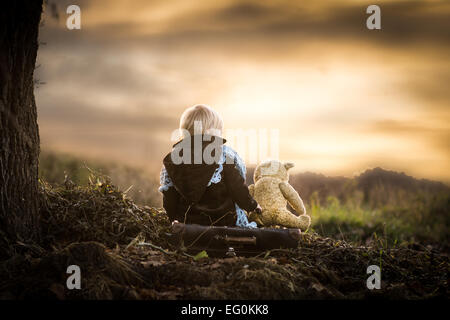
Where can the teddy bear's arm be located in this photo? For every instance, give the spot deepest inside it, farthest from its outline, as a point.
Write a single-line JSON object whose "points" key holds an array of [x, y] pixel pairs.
{"points": [[251, 189], [292, 197]]}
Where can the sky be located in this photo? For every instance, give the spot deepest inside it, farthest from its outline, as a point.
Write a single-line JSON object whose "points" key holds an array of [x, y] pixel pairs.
{"points": [[340, 98]]}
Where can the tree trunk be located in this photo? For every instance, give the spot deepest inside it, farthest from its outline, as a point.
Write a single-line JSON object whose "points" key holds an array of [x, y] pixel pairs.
{"points": [[19, 136]]}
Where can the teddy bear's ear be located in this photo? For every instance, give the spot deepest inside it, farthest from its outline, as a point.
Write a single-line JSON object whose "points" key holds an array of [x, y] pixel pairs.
{"points": [[288, 165]]}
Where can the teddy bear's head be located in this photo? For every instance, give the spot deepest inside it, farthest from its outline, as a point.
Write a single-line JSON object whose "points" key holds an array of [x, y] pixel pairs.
{"points": [[273, 168]]}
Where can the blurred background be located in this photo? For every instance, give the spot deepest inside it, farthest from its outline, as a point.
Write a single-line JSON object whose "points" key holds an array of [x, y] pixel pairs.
{"points": [[347, 101]]}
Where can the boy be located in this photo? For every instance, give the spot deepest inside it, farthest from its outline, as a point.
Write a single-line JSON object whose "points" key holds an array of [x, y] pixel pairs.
{"points": [[205, 192]]}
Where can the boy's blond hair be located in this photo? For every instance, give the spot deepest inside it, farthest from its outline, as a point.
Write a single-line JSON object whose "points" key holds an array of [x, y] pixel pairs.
{"points": [[211, 122]]}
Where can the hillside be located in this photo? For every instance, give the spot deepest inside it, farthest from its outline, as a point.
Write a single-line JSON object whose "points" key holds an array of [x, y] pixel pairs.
{"points": [[121, 248], [378, 203]]}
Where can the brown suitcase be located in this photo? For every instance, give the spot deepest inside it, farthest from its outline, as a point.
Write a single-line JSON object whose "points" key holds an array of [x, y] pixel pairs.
{"points": [[221, 241]]}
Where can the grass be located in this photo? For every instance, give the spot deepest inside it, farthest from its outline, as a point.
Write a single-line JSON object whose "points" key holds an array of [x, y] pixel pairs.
{"points": [[425, 220], [139, 184]]}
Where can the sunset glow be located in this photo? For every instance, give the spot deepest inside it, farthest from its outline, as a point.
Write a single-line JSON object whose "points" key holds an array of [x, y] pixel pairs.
{"points": [[343, 98]]}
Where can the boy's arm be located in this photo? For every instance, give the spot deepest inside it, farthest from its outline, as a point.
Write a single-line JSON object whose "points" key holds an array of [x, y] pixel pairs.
{"points": [[292, 197], [251, 189], [171, 199], [238, 189]]}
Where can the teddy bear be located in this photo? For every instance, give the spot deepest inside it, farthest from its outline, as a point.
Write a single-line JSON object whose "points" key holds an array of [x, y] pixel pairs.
{"points": [[272, 191]]}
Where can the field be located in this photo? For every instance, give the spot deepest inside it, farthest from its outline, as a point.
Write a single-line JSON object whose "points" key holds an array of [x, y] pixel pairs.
{"points": [[379, 205], [119, 242]]}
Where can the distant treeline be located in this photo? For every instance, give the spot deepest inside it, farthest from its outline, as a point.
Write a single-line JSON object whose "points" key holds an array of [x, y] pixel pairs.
{"points": [[374, 187]]}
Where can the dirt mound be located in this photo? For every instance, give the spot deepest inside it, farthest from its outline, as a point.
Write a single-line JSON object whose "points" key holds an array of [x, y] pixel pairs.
{"points": [[318, 269], [122, 254], [104, 275], [97, 212]]}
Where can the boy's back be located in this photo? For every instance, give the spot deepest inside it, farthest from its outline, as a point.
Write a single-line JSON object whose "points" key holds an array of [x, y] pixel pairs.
{"points": [[204, 193]]}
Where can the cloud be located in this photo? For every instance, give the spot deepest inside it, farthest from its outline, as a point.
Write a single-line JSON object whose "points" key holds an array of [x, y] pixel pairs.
{"points": [[338, 90], [403, 22], [418, 131], [430, 86], [54, 108], [75, 127]]}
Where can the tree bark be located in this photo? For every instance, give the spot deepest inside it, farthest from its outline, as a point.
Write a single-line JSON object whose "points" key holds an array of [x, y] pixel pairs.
{"points": [[19, 136]]}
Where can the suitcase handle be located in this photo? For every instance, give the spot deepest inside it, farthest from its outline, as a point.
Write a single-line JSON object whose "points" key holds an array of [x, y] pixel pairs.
{"points": [[241, 240]]}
